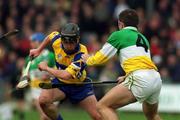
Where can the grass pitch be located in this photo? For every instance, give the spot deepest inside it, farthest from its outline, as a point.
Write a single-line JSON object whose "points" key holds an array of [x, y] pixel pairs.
{"points": [[75, 113]]}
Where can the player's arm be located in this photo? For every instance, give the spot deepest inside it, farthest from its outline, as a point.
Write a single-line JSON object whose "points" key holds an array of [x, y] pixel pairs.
{"points": [[44, 43], [102, 56], [37, 51], [62, 74], [50, 38], [74, 70], [107, 51]]}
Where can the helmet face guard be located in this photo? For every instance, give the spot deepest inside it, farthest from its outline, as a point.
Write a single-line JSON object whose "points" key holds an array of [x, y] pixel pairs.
{"points": [[69, 39], [70, 33]]}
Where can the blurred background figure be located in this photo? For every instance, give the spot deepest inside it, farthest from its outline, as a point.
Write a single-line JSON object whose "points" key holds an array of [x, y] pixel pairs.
{"points": [[37, 76]]}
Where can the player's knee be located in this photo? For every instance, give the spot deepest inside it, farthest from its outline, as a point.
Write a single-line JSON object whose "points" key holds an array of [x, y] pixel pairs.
{"points": [[43, 101]]}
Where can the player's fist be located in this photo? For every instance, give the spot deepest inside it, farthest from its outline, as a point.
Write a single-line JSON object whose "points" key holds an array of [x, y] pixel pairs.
{"points": [[43, 66]]}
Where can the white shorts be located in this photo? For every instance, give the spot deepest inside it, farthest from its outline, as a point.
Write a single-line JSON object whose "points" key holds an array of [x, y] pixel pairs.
{"points": [[145, 85], [35, 92]]}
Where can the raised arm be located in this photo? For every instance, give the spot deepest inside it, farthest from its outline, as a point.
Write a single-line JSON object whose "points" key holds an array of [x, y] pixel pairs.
{"points": [[108, 50], [102, 56], [37, 51], [44, 43]]}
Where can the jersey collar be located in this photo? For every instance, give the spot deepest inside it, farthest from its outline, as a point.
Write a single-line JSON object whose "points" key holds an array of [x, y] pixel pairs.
{"points": [[71, 52], [130, 27]]}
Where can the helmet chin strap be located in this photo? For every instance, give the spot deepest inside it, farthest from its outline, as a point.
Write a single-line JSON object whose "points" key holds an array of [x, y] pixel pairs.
{"points": [[70, 52]]}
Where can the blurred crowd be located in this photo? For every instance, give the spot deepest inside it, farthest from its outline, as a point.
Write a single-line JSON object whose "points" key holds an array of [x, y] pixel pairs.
{"points": [[97, 19]]}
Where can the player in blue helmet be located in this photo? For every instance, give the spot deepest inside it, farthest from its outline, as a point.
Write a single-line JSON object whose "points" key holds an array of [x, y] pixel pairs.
{"points": [[37, 37], [36, 76]]}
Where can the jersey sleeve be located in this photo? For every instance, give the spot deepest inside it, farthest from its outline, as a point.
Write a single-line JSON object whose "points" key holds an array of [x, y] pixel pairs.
{"points": [[54, 36], [114, 39], [107, 51], [77, 67]]}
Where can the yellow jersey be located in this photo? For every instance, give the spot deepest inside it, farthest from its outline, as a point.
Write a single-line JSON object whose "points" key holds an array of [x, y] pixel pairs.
{"points": [[72, 63]]}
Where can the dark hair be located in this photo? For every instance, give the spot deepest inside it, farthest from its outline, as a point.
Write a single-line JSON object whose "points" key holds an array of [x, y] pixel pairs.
{"points": [[129, 17]]}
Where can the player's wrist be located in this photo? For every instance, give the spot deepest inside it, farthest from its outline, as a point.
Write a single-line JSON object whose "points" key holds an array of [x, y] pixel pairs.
{"points": [[39, 50]]}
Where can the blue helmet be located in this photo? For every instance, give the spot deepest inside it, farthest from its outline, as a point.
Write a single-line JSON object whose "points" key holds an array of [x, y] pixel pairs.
{"points": [[37, 37]]}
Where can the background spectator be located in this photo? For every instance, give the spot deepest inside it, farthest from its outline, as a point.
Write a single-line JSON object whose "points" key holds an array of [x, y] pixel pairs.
{"points": [[96, 19]]}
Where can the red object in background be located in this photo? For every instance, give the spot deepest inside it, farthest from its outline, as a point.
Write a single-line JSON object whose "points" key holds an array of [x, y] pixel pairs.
{"points": [[155, 50], [24, 45], [155, 47]]}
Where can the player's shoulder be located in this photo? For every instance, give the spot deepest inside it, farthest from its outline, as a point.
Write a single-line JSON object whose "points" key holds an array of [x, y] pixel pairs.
{"points": [[55, 38], [116, 33], [128, 30], [124, 32], [83, 48], [54, 35]]}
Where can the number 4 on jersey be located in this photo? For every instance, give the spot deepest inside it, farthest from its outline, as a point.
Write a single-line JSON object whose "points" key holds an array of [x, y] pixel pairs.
{"points": [[141, 43]]}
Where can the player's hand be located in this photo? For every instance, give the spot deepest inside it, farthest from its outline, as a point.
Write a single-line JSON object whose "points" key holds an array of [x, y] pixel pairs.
{"points": [[84, 57], [43, 66], [121, 79], [34, 53]]}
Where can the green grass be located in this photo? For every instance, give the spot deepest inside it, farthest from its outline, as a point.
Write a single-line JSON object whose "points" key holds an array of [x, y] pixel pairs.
{"points": [[72, 113]]}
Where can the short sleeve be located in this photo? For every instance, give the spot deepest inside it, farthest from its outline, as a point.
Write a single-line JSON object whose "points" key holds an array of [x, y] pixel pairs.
{"points": [[77, 67], [73, 70], [54, 36]]}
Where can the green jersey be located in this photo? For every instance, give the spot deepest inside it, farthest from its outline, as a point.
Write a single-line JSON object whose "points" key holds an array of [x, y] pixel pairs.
{"points": [[132, 47], [45, 55]]}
